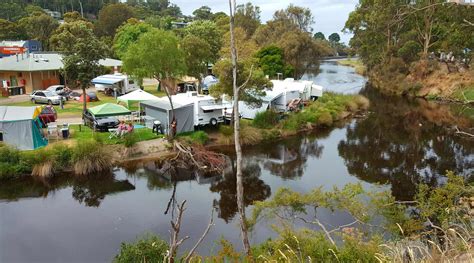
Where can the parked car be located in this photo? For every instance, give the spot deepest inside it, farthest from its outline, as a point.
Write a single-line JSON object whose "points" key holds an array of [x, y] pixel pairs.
{"points": [[184, 87], [46, 96], [48, 114], [98, 123], [58, 89]]}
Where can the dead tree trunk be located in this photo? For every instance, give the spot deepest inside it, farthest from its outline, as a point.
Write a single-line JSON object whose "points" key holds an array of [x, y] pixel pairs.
{"points": [[238, 148]]}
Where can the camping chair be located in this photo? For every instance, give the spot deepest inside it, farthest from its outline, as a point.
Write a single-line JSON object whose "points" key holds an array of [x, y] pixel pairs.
{"points": [[114, 133], [53, 130]]}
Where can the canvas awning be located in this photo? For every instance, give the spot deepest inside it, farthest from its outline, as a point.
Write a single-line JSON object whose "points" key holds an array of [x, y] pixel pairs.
{"points": [[106, 81], [18, 113], [109, 109], [137, 95]]}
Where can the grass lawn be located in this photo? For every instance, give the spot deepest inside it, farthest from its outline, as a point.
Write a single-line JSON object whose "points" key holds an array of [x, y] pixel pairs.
{"points": [[74, 108], [86, 133]]}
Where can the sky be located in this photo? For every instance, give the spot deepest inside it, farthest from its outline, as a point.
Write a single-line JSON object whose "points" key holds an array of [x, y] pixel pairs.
{"points": [[330, 15]]}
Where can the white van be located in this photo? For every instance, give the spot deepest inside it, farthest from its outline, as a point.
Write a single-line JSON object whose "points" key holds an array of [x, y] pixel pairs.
{"points": [[115, 82]]}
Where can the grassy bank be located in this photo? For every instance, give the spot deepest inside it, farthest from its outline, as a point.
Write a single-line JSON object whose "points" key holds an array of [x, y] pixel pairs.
{"points": [[73, 109], [355, 63], [270, 125], [426, 79]]}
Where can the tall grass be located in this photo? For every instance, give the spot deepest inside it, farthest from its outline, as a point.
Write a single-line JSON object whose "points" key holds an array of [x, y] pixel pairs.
{"points": [[90, 156]]}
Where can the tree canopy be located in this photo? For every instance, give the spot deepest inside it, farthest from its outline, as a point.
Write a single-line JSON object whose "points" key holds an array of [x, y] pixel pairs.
{"points": [[112, 17]]}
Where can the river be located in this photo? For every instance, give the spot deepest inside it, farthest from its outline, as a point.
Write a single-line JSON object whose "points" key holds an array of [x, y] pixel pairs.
{"points": [[398, 144]]}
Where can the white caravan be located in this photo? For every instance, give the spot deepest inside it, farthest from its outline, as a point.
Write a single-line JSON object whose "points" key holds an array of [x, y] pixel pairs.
{"points": [[274, 99], [307, 89], [206, 109], [115, 82]]}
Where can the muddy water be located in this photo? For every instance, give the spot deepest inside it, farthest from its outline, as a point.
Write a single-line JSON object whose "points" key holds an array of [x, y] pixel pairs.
{"points": [[399, 144]]}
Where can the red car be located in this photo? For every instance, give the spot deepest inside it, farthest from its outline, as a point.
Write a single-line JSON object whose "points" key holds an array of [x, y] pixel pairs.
{"points": [[47, 115]]}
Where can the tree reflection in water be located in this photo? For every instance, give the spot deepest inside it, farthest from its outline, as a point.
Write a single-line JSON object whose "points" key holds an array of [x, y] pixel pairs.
{"points": [[255, 189], [404, 143], [288, 158], [90, 190]]}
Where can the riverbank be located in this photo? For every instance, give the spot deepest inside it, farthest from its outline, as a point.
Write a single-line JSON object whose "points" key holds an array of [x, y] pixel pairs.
{"points": [[359, 67], [431, 80], [90, 152]]}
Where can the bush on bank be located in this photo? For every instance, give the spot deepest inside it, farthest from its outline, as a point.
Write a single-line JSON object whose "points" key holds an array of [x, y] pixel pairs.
{"points": [[86, 157], [434, 227]]}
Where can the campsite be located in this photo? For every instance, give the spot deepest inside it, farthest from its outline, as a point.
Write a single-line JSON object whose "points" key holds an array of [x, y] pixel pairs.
{"points": [[163, 131]]}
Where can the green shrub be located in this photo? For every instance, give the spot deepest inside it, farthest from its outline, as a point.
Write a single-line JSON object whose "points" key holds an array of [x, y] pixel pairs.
{"points": [[266, 119], [12, 163], [62, 155], [325, 119], [149, 249], [130, 139], [226, 130]]}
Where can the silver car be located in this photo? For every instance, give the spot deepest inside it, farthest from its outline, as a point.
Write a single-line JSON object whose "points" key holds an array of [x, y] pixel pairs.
{"points": [[46, 96]]}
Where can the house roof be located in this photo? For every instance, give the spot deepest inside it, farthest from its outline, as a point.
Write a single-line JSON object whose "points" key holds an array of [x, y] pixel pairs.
{"points": [[41, 61]]}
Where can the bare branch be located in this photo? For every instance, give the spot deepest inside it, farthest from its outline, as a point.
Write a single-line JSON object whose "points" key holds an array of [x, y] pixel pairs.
{"points": [[246, 81], [468, 22], [211, 223], [463, 133], [176, 225], [317, 222]]}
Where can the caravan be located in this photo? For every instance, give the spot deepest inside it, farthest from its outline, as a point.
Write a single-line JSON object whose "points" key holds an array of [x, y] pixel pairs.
{"points": [[206, 109], [307, 89], [117, 82]]}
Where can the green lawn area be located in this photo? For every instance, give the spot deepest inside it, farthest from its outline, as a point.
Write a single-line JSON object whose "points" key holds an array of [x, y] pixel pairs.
{"points": [[74, 108], [86, 133]]}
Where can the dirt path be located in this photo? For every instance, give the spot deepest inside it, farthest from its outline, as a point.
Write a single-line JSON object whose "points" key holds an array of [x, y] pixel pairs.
{"points": [[14, 99]]}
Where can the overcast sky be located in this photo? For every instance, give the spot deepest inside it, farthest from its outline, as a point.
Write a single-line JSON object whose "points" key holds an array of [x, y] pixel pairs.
{"points": [[330, 15]]}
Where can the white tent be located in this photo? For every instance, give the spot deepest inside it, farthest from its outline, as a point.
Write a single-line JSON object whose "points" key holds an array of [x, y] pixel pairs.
{"points": [[137, 96]]}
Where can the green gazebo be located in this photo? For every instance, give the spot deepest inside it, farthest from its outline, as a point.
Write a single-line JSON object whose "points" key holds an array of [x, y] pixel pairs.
{"points": [[109, 109]]}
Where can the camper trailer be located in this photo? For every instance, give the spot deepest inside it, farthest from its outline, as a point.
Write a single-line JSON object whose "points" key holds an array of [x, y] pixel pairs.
{"points": [[274, 99], [117, 84], [206, 109], [307, 89]]}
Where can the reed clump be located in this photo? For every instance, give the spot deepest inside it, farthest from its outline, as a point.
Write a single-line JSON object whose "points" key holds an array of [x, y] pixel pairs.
{"points": [[90, 157]]}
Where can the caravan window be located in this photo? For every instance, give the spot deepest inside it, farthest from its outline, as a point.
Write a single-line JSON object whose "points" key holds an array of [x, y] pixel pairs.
{"points": [[1, 136], [207, 111], [131, 82]]}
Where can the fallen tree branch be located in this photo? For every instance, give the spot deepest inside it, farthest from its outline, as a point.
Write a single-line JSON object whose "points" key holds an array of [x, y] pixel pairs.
{"points": [[211, 223], [463, 133]]}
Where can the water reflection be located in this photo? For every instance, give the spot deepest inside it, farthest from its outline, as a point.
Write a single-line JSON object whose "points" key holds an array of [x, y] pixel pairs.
{"points": [[255, 189], [288, 158], [404, 143], [89, 191]]}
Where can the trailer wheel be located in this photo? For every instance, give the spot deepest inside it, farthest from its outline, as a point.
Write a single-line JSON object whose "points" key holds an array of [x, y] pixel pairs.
{"points": [[213, 122]]}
